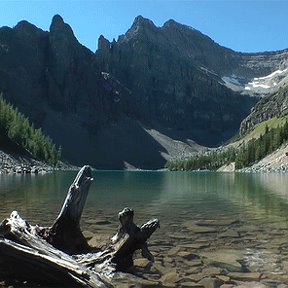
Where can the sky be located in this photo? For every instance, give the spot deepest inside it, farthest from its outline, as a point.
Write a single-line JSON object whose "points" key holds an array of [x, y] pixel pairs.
{"points": [[244, 26]]}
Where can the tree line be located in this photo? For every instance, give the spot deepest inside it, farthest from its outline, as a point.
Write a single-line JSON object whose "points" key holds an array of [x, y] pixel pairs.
{"points": [[17, 128], [204, 161], [245, 156], [257, 149]]}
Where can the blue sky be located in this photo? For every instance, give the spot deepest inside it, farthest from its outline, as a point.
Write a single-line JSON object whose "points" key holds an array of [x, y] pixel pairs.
{"points": [[246, 26]]}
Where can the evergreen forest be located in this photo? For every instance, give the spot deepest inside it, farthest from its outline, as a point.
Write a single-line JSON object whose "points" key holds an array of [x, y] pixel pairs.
{"points": [[244, 156], [15, 128]]}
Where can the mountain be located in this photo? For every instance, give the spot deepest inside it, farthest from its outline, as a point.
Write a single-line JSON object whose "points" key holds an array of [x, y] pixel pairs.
{"points": [[51, 78], [137, 101], [273, 105], [183, 80]]}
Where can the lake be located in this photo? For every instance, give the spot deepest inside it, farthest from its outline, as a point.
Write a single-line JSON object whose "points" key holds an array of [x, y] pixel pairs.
{"points": [[217, 227]]}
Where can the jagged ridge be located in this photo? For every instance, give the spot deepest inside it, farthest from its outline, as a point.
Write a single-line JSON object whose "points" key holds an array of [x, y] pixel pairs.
{"points": [[135, 99]]}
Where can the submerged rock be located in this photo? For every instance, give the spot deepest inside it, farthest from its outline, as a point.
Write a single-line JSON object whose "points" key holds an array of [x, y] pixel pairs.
{"points": [[254, 276], [210, 282], [170, 278], [226, 258], [251, 285]]}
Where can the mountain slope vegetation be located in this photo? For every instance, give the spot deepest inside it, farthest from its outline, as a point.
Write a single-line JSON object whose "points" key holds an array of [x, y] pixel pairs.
{"points": [[262, 140], [18, 135]]}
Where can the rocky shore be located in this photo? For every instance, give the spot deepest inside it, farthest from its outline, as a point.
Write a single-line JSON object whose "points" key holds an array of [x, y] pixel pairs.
{"points": [[13, 163], [274, 162]]}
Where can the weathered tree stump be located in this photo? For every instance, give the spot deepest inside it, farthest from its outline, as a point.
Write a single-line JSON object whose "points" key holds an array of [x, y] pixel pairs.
{"points": [[60, 255]]}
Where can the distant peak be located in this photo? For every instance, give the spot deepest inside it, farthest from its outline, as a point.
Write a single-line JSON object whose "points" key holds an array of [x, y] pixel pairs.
{"points": [[26, 28], [141, 21], [174, 24], [25, 25], [103, 43], [59, 25], [171, 22], [57, 19]]}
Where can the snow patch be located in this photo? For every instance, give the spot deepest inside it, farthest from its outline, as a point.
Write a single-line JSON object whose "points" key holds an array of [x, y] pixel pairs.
{"points": [[258, 85], [265, 84], [277, 72]]}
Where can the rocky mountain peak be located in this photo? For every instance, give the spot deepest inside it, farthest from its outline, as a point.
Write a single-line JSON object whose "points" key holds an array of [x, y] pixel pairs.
{"points": [[174, 27], [140, 27], [140, 21], [62, 39], [57, 20], [103, 43], [27, 32], [61, 29], [25, 25], [172, 79], [172, 24]]}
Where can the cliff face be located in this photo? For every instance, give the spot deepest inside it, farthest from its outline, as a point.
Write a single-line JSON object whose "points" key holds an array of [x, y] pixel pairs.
{"points": [[183, 80], [273, 105], [135, 102], [52, 79], [172, 72]]}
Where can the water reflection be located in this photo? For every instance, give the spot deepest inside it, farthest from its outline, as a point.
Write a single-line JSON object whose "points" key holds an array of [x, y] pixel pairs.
{"points": [[35, 197], [155, 193]]}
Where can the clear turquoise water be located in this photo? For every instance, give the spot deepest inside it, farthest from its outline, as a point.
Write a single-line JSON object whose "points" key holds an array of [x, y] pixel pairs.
{"points": [[259, 203], [167, 195]]}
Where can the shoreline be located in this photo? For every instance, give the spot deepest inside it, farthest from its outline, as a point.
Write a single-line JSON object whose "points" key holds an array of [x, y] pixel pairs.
{"points": [[11, 163]]}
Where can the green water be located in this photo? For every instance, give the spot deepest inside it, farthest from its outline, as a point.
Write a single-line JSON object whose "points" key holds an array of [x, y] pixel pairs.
{"points": [[257, 203], [167, 195]]}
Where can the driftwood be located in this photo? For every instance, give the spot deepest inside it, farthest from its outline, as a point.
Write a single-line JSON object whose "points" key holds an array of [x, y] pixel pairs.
{"points": [[60, 255]]}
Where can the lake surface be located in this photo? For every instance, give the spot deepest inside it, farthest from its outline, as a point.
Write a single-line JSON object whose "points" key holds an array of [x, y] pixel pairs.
{"points": [[213, 225]]}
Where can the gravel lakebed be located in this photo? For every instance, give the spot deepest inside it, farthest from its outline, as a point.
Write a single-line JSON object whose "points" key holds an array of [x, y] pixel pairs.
{"points": [[223, 252]]}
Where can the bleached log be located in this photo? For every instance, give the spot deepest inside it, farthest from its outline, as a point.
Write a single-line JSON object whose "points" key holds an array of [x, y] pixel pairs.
{"points": [[65, 234], [60, 255]]}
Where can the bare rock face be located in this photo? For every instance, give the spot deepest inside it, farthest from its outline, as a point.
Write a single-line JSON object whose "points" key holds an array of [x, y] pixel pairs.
{"points": [[68, 62], [178, 78], [22, 62], [171, 72], [53, 79], [164, 79]]}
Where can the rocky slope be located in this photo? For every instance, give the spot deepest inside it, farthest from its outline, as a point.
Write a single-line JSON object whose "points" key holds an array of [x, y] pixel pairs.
{"points": [[137, 101], [275, 104], [17, 163], [274, 162], [179, 76], [171, 71]]}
